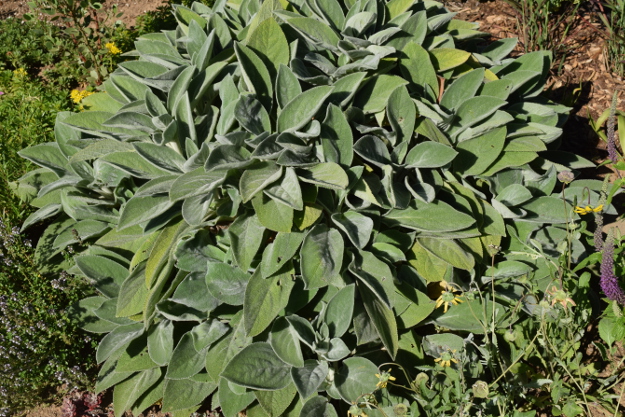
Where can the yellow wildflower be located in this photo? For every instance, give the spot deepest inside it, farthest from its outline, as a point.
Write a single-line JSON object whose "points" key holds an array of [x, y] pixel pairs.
{"points": [[112, 48], [78, 95], [446, 359], [587, 209], [384, 377], [446, 299], [20, 72]]}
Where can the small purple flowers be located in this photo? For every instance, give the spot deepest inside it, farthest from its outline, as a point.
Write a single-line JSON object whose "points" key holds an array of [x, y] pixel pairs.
{"points": [[609, 282]]}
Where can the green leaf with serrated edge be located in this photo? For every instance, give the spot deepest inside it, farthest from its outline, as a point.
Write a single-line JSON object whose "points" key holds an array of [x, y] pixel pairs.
{"points": [[356, 226], [430, 155], [246, 235], [232, 403], [162, 251], [373, 96], [255, 74], [227, 283], [118, 339], [128, 392], [140, 209], [448, 58], [382, 317], [265, 297], [301, 109], [315, 30], [436, 216], [326, 175], [449, 251], [416, 67], [107, 274], [355, 378], [309, 377], [185, 360], [321, 256], [161, 342], [276, 402], [462, 89], [185, 393], [257, 366], [285, 342], [318, 407], [429, 266], [251, 115], [258, 177], [287, 86], [133, 293], [476, 155], [288, 191], [336, 137], [269, 42], [338, 313], [278, 253]]}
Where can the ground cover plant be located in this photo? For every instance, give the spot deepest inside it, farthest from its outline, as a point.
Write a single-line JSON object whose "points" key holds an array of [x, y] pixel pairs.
{"points": [[301, 208], [38, 342]]}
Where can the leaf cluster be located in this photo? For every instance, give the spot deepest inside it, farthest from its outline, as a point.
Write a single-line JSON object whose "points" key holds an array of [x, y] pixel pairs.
{"points": [[273, 193]]}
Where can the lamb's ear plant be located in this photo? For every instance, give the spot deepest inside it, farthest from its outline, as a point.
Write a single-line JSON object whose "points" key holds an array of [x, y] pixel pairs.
{"points": [[273, 196]]}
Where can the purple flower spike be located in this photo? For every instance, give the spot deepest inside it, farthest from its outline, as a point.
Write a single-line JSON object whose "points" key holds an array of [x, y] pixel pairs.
{"points": [[609, 281]]}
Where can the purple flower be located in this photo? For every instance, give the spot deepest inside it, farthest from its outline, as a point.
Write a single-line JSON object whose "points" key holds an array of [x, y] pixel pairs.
{"points": [[609, 281]]}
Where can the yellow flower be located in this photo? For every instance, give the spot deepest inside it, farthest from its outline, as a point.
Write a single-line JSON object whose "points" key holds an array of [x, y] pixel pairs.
{"points": [[446, 299], [384, 377], [78, 95], [446, 359], [112, 48], [20, 72], [587, 209]]}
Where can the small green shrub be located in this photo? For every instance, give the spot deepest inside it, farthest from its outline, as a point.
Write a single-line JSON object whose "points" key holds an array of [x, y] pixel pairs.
{"points": [[276, 200], [40, 348]]}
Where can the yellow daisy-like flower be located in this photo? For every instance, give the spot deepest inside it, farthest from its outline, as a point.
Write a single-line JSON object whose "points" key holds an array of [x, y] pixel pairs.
{"points": [[112, 48], [20, 72], [78, 95], [446, 359], [384, 377], [587, 209], [446, 299]]}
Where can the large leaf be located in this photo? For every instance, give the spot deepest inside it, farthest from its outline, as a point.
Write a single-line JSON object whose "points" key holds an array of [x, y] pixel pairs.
{"points": [[321, 256], [128, 392], [257, 366], [430, 155], [301, 109], [356, 226], [429, 217], [355, 378], [265, 298], [181, 394], [278, 253], [382, 318], [246, 235], [227, 283], [285, 342], [309, 377]]}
